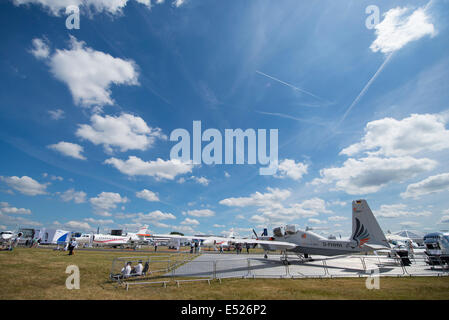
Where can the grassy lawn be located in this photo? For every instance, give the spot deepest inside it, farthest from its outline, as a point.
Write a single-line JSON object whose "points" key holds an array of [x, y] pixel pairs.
{"points": [[40, 274]]}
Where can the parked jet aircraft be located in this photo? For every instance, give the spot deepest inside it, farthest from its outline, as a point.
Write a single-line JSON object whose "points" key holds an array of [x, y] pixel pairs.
{"points": [[113, 241], [214, 242], [366, 236], [437, 247]]}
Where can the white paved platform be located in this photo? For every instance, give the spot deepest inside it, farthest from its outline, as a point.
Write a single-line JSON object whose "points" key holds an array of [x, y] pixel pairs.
{"points": [[251, 265]]}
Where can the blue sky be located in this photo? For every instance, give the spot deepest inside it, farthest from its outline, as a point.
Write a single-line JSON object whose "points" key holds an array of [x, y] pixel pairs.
{"points": [[86, 114]]}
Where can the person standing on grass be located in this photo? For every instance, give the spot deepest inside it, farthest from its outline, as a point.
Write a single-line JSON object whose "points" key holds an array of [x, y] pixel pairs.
{"points": [[155, 246], [72, 245]]}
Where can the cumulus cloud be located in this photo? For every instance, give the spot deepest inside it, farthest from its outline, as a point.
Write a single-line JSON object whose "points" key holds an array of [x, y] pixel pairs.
{"points": [[444, 220], [99, 221], [316, 221], [401, 26], [190, 222], [432, 184], [75, 196], [124, 132], [369, 175], [25, 185], [40, 48], [77, 225], [201, 180], [414, 134], [13, 221], [273, 210], [155, 215], [160, 169], [7, 209], [105, 202], [288, 168], [68, 149], [258, 199], [147, 195], [57, 7], [89, 74], [56, 114], [337, 218], [200, 213], [398, 210]]}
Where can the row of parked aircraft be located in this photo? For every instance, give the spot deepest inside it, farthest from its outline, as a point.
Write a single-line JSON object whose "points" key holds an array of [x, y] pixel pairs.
{"points": [[366, 236]]}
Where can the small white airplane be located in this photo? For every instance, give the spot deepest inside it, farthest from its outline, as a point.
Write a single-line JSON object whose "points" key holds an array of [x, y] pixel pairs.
{"points": [[107, 240], [214, 242], [9, 239], [366, 236], [399, 243]]}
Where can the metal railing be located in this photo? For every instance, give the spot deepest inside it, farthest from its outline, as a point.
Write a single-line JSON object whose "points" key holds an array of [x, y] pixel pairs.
{"points": [[173, 268]]}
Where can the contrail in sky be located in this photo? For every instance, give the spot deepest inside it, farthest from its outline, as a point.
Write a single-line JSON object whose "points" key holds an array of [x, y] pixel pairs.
{"points": [[362, 93], [288, 84]]}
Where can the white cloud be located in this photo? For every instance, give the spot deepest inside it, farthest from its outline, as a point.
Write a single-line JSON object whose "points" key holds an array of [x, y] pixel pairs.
{"points": [[257, 198], [200, 213], [401, 26], [56, 7], [13, 221], [7, 209], [125, 132], [398, 210], [369, 175], [40, 49], [99, 221], [227, 175], [316, 221], [432, 184], [125, 215], [409, 224], [106, 201], [412, 135], [56, 114], [190, 222], [178, 3], [160, 169], [89, 74], [69, 149], [289, 168], [201, 180], [75, 196], [155, 215], [337, 218], [219, 225], [147, 195], [25, 185], [77, 226], [444, 219]]}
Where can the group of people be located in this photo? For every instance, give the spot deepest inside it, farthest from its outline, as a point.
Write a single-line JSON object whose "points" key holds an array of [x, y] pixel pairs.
{"points": [[239, 248], [128, 270], [33, 243], [195, 247]]}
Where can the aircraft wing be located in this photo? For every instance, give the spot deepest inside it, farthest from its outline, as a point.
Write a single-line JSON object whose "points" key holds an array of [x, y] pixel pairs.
{"points": [[376, 247], [281, 245]]}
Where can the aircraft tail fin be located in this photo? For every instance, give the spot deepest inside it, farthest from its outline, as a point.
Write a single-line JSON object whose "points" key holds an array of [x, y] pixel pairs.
{"points": [[365, 228], [143, 231]]}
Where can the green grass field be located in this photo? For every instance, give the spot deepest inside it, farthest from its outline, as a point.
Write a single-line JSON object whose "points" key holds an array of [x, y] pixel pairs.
{"points": [[40, 274]]}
